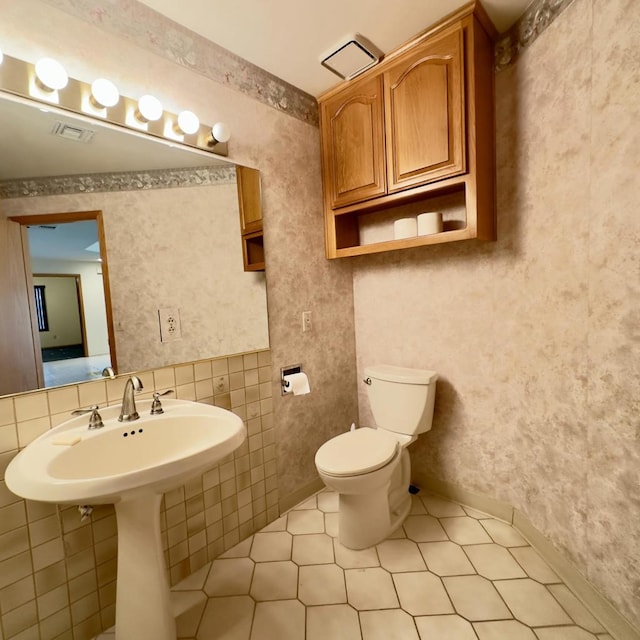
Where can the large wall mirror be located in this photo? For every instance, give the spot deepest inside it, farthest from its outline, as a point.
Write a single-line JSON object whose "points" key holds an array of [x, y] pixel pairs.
{"points": [[170, 235]]}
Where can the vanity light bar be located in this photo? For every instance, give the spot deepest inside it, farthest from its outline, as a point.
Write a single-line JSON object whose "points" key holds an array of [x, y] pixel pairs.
{"points": [[104, 102]]}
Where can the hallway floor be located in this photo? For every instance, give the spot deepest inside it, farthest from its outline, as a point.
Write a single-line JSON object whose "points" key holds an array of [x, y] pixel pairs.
{"points": [[450, 573]]}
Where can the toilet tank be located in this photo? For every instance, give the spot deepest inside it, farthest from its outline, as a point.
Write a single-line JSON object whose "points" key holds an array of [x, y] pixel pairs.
{"points": [[401, 399]]}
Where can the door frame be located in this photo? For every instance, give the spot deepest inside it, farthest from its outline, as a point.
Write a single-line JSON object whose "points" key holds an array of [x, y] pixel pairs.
{"points": [[60, 218]]}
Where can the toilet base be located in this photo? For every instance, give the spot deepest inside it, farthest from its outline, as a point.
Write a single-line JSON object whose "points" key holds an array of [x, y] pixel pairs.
{"points": [[366, 519]]}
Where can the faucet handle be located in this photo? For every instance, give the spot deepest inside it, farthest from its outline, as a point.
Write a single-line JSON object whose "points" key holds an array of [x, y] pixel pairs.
{"points": [[156, 405], [95, 420]]}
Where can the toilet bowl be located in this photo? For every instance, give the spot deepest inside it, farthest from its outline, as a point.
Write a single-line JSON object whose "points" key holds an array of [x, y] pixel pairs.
{"points": [[370, 468]]}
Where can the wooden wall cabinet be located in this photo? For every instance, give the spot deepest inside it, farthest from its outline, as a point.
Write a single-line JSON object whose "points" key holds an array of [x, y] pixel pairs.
{"points": [[250, 206], [415, 129]]}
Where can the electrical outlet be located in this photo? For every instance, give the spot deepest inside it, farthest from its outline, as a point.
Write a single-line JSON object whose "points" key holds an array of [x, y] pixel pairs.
{"points": [[169, 324], [306, 321]]}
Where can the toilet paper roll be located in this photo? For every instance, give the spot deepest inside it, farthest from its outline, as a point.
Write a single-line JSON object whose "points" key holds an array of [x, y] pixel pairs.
{"points": [[405, 228], [298, 384], [429, 222]]}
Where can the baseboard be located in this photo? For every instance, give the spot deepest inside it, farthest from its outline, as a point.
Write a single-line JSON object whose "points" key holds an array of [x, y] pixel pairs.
{"points": [[609, 617], [300, 495]]}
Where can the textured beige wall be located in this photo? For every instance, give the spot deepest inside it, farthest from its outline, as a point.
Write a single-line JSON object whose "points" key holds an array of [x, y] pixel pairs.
{"points": [[177, 247], [535, 337], [286, 151]]}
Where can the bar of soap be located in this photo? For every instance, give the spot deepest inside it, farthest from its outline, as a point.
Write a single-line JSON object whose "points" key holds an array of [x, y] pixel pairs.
{"points": [[67, 440]]}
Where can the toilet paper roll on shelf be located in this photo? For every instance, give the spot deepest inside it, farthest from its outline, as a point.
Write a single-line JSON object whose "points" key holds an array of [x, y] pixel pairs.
{"points": [[429, 222], [405, 228], [296, 383]]}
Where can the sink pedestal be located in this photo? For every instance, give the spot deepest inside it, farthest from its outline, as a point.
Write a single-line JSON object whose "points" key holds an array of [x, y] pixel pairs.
{"points": [[143, 607]]}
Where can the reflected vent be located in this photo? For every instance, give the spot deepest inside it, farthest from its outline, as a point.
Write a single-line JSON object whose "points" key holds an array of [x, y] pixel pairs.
{"points": [[72, 132]]}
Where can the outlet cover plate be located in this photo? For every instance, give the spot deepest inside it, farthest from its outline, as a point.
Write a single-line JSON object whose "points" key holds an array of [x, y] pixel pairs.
{"points": [[170, 328]]}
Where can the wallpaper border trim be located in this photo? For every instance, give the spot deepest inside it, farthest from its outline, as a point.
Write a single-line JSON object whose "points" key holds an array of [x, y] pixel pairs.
{"points": [[117, 181], [533, 22]]}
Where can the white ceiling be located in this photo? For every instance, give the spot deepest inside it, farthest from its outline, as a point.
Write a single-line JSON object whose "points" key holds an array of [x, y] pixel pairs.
{"points": [[288, 38]]}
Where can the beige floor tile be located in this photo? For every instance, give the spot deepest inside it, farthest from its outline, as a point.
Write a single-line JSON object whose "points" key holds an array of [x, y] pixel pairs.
{"points": [[445, 628], [446, 558], [331, 524], [400, 555], [195, 581], [277, 525], [187, 622], [240, 550], [306, 521], [417, 507], [535, 567], [311, 503], [503, 533], [441, 508], [422, 594], [564, 633], [397, 534], [274, 545], [503, 630], [494, 562], [328, 501], [313, 548], [465, 530], [321, 584], [531, 603], [283, 620], [274, 581], [355, 558], [227, 619], [474, 513], [229, 577], [370, 589], [424, 529], [475, 598], [575, 608], [393, 624], [337, 622]]}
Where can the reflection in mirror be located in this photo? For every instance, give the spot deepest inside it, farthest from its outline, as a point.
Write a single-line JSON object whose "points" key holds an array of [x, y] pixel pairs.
{"points": [[172, 236]]}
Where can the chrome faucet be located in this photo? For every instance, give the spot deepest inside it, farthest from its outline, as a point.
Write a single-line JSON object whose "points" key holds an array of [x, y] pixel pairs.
{"points": [[128, 411]]}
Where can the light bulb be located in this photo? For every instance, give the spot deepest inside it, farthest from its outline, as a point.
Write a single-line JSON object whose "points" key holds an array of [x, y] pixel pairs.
{"points": [[220, 132], [51, 74], [188, 122], [104, 93], [149, 108]]}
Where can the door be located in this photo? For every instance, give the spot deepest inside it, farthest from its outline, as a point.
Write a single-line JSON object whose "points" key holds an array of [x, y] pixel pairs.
{"points": [[353, 143], [424, 108], [20, 361]]}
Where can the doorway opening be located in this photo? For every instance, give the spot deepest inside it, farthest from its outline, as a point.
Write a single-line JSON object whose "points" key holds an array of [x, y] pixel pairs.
{"points": [[72, 322]]}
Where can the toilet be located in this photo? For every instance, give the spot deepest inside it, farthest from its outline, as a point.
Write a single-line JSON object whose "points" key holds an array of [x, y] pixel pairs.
{"points": [[370, 468]]}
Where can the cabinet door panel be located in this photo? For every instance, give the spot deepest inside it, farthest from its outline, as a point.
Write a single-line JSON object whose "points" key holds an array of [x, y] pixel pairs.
{"points": [[353, 143], [425, 114]]}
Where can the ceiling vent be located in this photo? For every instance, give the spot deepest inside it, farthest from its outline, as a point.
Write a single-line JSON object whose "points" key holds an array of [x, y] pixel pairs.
{"points": [[353, 56], [72, 132]]}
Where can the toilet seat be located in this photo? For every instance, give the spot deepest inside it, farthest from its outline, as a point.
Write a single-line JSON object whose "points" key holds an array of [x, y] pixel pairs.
{"points": [[356, 452]]}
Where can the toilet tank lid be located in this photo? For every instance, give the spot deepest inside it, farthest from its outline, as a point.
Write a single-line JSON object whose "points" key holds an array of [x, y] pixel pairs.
{"points": [[391, 373]]}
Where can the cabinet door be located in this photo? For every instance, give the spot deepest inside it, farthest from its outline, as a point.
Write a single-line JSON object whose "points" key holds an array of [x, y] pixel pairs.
{"points": [[424, 103], [353, 143]]}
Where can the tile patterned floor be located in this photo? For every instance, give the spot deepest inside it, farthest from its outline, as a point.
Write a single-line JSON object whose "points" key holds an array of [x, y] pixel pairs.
{"points": [[449, 573]]}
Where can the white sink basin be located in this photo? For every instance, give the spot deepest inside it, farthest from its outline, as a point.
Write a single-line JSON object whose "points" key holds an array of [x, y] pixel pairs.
{"points": [[71, 464], [130, 464]]}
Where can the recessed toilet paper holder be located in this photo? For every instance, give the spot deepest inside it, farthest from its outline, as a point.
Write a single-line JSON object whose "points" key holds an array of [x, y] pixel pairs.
{"points": [[287, 371]]}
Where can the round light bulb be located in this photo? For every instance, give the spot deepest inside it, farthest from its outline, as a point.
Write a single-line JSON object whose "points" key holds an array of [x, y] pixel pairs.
{"points": [[104, 93], [188, 122], [150, 108], [51, 74], [220, 132]]}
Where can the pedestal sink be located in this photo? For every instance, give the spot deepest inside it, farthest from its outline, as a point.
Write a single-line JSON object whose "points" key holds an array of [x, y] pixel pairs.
{"points": [[129, 464]]}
